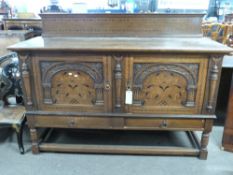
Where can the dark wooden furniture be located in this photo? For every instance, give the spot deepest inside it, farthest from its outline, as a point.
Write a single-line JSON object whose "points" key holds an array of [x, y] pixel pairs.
{"points": [[23, 24], [121, 72], [14, 117], [227, 141]]}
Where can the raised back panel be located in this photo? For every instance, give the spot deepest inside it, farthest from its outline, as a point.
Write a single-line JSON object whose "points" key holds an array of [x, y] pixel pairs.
{"points": [[121, 25]]}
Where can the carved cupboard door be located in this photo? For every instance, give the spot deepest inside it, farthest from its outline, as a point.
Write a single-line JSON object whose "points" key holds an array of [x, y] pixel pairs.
{"points": [[166, 83], [73, 83]]}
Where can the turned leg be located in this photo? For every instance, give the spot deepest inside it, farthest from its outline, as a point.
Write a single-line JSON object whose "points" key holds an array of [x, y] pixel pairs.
{"points": [[34, 139], [204, 143], [205, 139]]}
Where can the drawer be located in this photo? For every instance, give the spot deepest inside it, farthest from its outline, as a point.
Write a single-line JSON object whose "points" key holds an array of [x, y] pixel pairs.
{"points": [[116, 123], [173, 124], [71, 122]]}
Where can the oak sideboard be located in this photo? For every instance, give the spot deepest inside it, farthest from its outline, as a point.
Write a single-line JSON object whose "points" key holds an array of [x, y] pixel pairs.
{"points": [[121, 72]]}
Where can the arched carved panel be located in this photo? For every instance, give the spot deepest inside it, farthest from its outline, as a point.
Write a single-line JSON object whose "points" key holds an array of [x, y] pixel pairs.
{"points": [[165, 84], [72, 83], [164, 88], [73, 87]]}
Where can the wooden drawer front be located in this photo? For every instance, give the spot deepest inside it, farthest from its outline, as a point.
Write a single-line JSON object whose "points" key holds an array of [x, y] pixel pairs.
{"points": [[116, 123], [189, 124], [73, 83], [165, 84], [72, 122]]}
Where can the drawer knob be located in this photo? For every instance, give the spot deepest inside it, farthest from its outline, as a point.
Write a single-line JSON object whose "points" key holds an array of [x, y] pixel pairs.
{"points": [[163, 124], [107, 86], [71, 123]]}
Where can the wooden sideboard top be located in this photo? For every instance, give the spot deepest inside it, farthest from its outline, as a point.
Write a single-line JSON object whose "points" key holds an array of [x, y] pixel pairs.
{"points": [[163, 44], [122, 33]]}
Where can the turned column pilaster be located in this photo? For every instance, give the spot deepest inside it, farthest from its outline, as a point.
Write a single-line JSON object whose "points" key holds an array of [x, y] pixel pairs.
{"points": [[26, 79]]}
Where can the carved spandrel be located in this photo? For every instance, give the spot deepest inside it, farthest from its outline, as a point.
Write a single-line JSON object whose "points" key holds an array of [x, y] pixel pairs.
{"points": [[165, 84], [188, 71], [95, 70], [26, 79], [66, 83], [213, 81]]}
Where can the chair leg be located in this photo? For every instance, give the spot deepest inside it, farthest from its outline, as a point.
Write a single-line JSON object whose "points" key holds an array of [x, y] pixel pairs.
{"points": [[20, 143], [19, 132]]}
